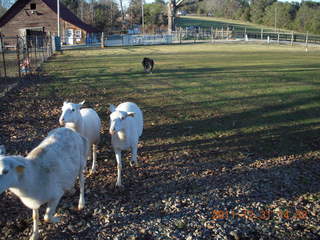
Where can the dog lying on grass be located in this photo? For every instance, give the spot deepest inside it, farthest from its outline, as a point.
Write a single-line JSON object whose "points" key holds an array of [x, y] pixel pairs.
{"points": [[148, 64]]}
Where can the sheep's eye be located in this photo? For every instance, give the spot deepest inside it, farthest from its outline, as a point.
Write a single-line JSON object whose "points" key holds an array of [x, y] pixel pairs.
{"points": [[72, 109], [4, 172], [122, 118]]}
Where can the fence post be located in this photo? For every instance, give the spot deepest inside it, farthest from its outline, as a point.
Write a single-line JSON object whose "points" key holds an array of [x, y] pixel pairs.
{"points": [[3, 58], [18, 56], [186, 33], [222, 36], [261, 33], [278, 38], [307, 36], [228, 33], [29, 59], [102, 39], [292, 38], [46, 48], [35, 52], [42, 48], [211, 34]]}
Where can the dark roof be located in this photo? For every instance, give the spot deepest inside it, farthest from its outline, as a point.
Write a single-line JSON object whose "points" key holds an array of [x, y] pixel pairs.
{"points": [[65, 14]]}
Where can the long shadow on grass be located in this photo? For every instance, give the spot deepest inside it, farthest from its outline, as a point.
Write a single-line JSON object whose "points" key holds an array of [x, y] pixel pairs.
{"points": [[278, 128]]}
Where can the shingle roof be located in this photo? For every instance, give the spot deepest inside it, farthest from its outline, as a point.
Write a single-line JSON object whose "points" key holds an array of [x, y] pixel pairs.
{"points": [[65, 14]]}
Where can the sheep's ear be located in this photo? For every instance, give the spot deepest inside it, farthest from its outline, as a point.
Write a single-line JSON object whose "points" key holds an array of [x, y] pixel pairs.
{"points": [[80, 105], [112, 107], [65, 103], [20, 169], [130, 114]]}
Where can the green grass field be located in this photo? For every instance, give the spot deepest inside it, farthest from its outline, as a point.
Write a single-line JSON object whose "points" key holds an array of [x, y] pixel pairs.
{"points": [[227, 127], [264, 98], [208, 22]]}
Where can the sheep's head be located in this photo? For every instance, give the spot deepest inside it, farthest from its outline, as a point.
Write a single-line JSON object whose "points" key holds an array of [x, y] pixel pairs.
{"points": [[117, 119], [70, 113], [10, 169]]}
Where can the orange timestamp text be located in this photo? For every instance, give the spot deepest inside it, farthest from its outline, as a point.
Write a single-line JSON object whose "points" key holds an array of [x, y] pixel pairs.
{"points": [[252, 214]]}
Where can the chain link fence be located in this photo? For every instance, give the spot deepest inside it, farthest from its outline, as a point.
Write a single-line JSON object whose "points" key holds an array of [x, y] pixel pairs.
{"points": [[21, 58]]}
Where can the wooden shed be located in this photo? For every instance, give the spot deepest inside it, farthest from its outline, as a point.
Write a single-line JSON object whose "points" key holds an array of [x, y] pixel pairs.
{"points": [[39, 17]]}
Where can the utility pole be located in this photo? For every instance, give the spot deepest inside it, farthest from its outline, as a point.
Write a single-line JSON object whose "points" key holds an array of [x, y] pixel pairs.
{"points": [[171, 15], [142, 16], [58, 17], [81, 10], [275, 19]]}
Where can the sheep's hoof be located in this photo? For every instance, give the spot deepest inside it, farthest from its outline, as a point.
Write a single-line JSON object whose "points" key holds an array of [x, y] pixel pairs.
{"points": [[134, 164], [90, 173], [34, 236], [53, 219], [119, 185], [80, 207]]}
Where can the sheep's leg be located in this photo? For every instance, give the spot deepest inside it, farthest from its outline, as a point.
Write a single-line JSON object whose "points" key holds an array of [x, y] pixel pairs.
{"points": [[134, 155], [94, 158], [89, 154], [119, 163], [51, 208], [81, 199], [35, 217]]}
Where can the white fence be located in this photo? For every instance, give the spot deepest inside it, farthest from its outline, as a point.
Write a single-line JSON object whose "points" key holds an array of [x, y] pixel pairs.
{"points": [[132, 40], [211, 35]]}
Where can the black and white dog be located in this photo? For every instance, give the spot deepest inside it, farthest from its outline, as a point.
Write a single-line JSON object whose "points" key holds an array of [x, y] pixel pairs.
{"points": [[148, 64]]}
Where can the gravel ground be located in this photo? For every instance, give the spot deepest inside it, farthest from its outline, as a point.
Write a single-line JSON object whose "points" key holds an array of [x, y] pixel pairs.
{"points": [[190, 192]]}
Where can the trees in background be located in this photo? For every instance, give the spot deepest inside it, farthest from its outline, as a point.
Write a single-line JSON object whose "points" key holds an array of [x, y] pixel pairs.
{"points": [[103, 14], [4, 5], [258, 8], [107, 22], [308, 17], [134, 12], [304, 16], [233, 9], [280, 15], [155, 14]]}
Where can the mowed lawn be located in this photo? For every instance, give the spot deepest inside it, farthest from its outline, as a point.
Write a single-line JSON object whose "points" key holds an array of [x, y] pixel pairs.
{"points": [[226, 127], [259, 99], [208, 22]]}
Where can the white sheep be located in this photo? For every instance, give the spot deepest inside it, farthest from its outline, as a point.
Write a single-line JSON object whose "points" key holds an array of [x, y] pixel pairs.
{"points": [[126, 126], [86, 122], [46, 173]]}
